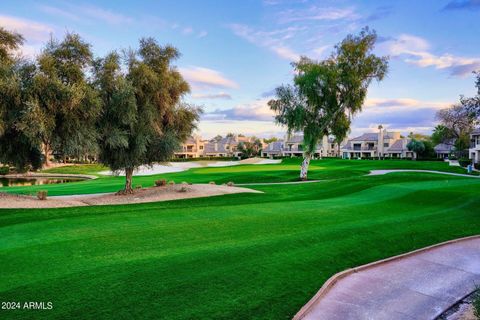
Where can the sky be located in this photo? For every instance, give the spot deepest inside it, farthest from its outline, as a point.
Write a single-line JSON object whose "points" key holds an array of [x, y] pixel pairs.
{"points": [[235, 53]]}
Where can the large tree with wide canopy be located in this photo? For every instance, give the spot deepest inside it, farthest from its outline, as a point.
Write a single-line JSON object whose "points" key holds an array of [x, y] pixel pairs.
{"points": [[144, 119], [326, 94]]}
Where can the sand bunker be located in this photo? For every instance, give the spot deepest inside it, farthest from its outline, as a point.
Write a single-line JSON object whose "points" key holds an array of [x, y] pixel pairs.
{"points": [[171, 167], [153, 194]]}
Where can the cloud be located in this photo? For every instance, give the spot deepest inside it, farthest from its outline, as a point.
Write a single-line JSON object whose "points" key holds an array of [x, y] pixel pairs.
{"points": [[220, 95], [54, 11], [403, 103], [209, 129], [202, 34], [31, 30], [379, 13], [204, 78], [397, 119], [399, 114], [268, 94], [258, 110], [315, 13], [88, 13], [187, 30], [272, 40], [462, 5], [286, 53], [416, 51], [35, 33]]}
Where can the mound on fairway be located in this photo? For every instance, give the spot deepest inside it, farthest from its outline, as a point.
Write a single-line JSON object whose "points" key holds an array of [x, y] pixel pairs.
{"points": [[154, 194]]}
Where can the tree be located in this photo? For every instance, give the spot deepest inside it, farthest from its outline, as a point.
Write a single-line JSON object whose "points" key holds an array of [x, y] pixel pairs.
{"points": [[326, 94], [250, 149], [270, 140], [144, 119], [9, 42], [15, 75], [441, 134], [473, 104], [217, 138], [62, 107], [458, 122], [416, 146]]}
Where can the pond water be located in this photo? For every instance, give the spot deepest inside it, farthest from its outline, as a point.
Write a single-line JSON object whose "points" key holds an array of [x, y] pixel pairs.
{"points": [[10, 182]]}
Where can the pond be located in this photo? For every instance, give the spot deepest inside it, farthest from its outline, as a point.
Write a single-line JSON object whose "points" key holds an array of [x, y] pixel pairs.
{"points": [[11, 182]]}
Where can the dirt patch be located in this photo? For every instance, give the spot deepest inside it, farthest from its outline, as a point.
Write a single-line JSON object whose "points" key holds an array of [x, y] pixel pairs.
{"points": [[11, 201], [140, 196]]}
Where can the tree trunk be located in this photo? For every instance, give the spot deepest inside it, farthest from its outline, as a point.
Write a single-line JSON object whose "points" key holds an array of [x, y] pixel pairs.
{"points": [[128, 181], [304, 169], [46, 151]]}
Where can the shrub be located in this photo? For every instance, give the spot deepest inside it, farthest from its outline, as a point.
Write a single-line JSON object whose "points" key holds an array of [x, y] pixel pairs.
{"points": [[212, 182], [4, 170], [160, 183], [171, 182], [42, 195], [138, 186], [476, 303], [183, 189], [230, 183], [464, 162], [477, 166]]}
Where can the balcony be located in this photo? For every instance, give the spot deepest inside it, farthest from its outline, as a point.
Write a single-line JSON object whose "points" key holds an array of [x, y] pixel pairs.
{"points": [[368, 148]]}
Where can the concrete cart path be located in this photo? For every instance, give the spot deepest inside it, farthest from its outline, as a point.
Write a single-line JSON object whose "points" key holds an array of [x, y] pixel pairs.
{"points": [[417, 285], [381, 172]]}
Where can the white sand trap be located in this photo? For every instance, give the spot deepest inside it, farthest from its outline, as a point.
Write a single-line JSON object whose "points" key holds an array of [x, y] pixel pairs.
{"points": [[171, 167], [382, 172], [223, 164], [153, 194], [259, 161]]}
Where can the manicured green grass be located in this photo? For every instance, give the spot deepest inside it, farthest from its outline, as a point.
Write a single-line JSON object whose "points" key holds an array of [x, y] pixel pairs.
{"points": [[241, 256], [288, 170], [77, 169]]}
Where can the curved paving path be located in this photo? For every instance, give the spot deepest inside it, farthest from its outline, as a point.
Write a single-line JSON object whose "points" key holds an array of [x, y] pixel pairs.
{"points": [[381, 172], [417, 285]]}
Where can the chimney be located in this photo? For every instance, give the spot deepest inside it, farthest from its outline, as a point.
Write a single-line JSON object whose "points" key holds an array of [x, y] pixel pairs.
{"points": [[380, 140]]}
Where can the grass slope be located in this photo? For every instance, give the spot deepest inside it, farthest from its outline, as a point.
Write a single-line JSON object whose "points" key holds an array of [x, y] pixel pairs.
{"points": [[242, 256], [288, 170]]}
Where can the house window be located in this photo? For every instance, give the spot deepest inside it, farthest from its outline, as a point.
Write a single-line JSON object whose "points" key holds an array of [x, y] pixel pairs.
{"points": [[385, 144], [201, 147]]}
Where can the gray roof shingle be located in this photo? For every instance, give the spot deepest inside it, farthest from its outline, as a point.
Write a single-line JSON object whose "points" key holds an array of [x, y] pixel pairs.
{"points": [[397, 145], [444, 147]]}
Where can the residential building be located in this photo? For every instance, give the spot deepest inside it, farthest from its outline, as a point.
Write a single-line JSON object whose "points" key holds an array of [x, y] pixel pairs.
{"points": [[225, 147], [474, 151], [444, 150], [381, 144], [292, 146], [194, 147], [273, 149]]}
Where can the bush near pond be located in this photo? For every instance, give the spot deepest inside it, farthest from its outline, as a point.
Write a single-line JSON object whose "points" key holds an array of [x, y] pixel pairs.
{"points": [[4, 170]]}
